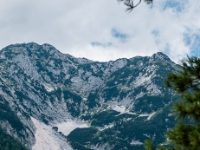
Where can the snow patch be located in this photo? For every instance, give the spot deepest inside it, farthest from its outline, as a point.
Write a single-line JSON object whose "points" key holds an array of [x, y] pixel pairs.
{"points": [[141, 94], [136, 142], [121, 109], [141, 79], [151, 115], [152, 88], [106, 127], [70, 125], [147, 115], [143, 115], [85, 99], [48, 88]]}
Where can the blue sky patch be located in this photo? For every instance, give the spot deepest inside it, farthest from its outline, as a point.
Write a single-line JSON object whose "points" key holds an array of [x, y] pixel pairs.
{"points": [[99, 44], [193, 41], [118, 35], [176, 5]]}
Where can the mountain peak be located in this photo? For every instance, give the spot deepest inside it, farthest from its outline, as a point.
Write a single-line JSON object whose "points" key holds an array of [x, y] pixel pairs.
{"points": [[160, 56], [31, 47], [48, 47]]}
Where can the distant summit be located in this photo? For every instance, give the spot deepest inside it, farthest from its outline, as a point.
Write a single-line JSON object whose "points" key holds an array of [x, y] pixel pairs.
{"points": [[161, 56]]}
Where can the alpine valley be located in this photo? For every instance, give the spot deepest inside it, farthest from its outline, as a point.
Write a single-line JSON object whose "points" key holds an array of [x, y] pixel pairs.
{"points": [[54, 101]]}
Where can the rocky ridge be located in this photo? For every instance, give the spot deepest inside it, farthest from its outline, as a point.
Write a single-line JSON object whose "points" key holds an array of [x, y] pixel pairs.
{"points": [[38, 81]]}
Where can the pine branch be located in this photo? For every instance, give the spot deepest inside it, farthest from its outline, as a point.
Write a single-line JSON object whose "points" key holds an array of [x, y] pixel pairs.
{"points": [[130, 4]]}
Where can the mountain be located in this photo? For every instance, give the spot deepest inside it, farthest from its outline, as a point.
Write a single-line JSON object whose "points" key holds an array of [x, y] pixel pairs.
{"points": [[50, 100]]}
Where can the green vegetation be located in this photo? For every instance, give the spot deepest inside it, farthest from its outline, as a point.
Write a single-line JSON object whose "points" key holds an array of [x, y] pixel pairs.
{"points": [[9, 143], [186, 134], [6, 114], [124, 128], [80, 138], [73, 102], [91, 100], [104, 118], [110, 93]]}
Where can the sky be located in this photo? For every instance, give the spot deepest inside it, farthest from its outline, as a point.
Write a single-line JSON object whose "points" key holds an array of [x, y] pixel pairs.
{"points": [[102, 30]]}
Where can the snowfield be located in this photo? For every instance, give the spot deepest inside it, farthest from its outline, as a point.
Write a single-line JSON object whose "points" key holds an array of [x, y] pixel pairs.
{"points": [[70, 125]]}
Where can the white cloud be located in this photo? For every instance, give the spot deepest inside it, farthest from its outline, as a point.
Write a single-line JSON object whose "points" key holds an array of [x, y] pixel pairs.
{"points": [[72, 27]]}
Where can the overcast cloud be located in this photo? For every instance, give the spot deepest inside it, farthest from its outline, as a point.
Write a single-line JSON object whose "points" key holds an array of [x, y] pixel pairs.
{"points": [[101, 30]]}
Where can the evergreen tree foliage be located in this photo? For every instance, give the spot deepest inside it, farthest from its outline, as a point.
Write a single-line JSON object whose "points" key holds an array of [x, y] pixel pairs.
{"points": [[186, 133], [131, 5]]}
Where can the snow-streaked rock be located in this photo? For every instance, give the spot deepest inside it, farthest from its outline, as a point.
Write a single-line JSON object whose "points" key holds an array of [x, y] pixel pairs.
{"points": [[58, 89], [48, 139]]}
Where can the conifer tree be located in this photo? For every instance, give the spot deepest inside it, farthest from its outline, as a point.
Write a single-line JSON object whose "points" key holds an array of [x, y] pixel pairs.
{"points": [[131, 5], [186, 134]]}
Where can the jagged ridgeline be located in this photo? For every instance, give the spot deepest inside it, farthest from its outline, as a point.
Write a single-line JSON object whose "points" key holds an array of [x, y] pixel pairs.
{"points": [[114, 105]]}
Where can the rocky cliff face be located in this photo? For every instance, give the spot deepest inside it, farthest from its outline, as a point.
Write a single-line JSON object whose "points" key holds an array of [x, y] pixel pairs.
{"points": [[123, 102]]}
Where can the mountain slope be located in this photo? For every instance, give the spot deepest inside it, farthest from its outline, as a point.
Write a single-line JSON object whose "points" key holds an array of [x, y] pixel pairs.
{"points": [[123, 102], [7, 142]]}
